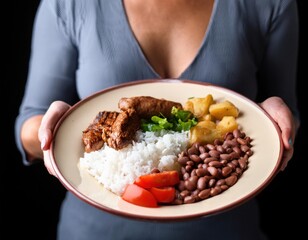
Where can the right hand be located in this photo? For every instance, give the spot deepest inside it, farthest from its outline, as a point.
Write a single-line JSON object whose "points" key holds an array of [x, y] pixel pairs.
{"points": [[45, 133]]}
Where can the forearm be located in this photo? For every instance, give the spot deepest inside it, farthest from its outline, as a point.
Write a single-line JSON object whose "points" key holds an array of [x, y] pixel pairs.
{"points": [[29, 138]]}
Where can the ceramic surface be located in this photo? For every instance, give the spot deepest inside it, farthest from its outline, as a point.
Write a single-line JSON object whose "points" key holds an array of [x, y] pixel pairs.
{"points": [[67, 148]]}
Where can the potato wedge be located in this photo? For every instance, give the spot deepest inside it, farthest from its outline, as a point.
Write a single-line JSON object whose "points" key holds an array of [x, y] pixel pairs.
{"points": [[206, 124], [227, 124], [204, 132], [199, 106], [225, 108], [207, 117]]}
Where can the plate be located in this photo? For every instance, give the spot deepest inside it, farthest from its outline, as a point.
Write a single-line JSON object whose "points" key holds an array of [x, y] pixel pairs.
{"points": [[67, 148]]}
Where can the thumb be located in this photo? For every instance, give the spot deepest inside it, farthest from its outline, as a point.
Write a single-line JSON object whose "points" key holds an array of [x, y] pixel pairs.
{"points": [[49, 121]]}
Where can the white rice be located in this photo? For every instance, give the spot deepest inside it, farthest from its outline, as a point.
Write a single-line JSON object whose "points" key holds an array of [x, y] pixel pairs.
{"points": [[114, 169]]}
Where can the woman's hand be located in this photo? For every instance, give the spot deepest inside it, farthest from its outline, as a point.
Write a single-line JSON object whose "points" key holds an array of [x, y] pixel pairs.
{"points": [[288, 125], [45, 133]]}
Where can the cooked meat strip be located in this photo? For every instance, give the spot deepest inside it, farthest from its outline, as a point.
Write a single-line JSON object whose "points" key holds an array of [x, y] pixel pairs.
{"points": [[147, 106], [98, 132], [124, 129], [92, 140], [118, 129]]}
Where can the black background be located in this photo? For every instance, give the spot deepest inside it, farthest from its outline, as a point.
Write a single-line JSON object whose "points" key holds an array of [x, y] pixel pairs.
{"points": [[30, 197]]}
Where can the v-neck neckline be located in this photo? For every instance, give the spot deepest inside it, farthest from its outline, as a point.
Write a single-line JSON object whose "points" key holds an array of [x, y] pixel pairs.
{"points": [[141, 53]]}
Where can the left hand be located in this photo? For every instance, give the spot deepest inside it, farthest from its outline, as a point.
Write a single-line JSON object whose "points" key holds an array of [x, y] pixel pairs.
{"points": [[285, 120], [46, 129]]}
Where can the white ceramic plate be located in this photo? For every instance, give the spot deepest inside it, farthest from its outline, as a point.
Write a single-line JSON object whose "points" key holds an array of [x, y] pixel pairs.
{"points": [[67, 148]]}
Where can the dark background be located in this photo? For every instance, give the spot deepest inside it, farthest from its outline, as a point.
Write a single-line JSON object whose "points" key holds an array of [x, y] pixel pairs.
{"points": [[31, 198]]}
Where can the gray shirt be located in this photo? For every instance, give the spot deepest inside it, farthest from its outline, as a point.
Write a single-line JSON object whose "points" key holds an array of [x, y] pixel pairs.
{"points": [[82, 46]]}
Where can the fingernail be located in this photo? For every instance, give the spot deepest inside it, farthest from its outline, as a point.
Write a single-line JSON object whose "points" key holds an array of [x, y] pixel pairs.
{"points": [[290, 141]]}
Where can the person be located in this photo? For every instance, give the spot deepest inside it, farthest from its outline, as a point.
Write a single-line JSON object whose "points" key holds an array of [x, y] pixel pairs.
{"points": [[82, 46]]}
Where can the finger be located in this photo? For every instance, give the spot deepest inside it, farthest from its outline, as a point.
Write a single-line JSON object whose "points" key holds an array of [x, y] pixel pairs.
{"points": [[287, 155], [49, 121], [286, 124], [282, 115], [287, 132]]}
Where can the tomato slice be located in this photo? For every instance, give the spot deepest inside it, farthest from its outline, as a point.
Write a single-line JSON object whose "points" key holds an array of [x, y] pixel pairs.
{"points": [[161, 179], [139, 196], [163, 195]]}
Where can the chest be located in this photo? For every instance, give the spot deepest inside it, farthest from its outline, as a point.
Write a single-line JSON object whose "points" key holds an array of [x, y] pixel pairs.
{"points": [[126, 49], [169, 33]]}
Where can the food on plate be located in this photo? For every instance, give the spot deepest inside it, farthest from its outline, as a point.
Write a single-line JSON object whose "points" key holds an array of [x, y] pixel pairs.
{"points": [[163, 194], [204, 132], [147, 106], [216, 119], [155, 151], [118, 129], [199, 106], [139, 196], [92, 137], [225, 108], [150, 150], [179, 120], [161, 185], [209, 169], [227, 124], [158, 179]]}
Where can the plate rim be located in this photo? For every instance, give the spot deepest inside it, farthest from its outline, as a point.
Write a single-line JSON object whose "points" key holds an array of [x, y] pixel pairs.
{"points": [[118, 212]]}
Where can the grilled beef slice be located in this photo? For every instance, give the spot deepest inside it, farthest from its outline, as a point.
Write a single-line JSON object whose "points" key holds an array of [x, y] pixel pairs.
{"points": [[124, 129], [97, 133], [117, 129], [147, 106]]}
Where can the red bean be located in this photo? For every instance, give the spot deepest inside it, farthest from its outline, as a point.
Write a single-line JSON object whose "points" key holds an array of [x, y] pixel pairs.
{"points": [[212, 182], [205, 193], [201, 172], [209, 169], [195, 158], [213, 171], [215, 164], [230, 181], [189, 199], [226, 171], [210, 159], [215, 191]]}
